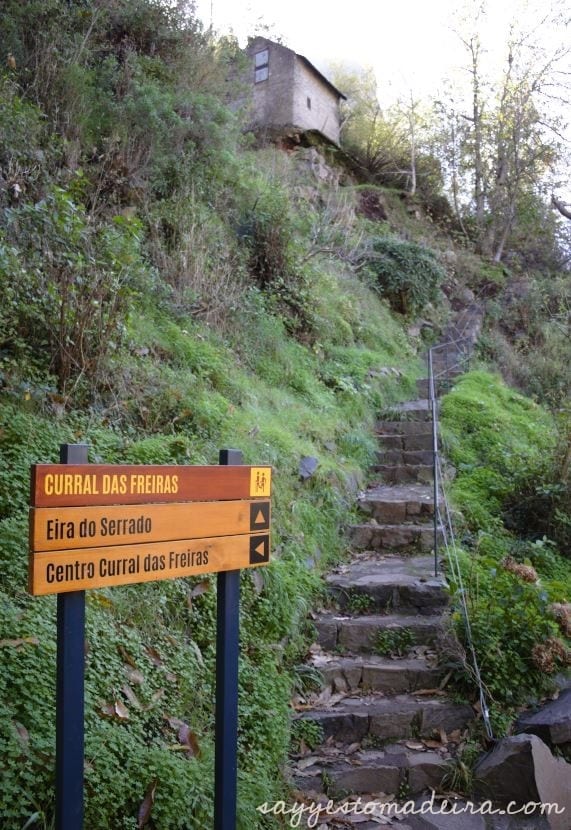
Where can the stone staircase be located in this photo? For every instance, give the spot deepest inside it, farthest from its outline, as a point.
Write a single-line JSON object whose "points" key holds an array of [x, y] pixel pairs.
{"points": [[384, 721]]}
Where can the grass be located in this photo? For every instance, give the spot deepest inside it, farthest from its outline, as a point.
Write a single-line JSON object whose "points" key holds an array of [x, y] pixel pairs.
{"points": [[499, 441], [180, 391]]}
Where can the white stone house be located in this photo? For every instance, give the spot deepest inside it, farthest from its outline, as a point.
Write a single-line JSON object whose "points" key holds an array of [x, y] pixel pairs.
{"points": [[287, 91]]}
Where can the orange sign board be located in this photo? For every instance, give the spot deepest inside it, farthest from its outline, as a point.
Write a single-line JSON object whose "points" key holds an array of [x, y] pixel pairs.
{"points": [[91, 527], [58, 572], [69, 485]]}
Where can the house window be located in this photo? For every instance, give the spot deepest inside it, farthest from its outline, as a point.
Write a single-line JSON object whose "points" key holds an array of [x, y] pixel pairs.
{"points": [[308, 103], [261, 66]]}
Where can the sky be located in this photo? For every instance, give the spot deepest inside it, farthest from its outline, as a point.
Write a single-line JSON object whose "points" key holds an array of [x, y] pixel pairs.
{"points": [[411, 44], [397, 39]]}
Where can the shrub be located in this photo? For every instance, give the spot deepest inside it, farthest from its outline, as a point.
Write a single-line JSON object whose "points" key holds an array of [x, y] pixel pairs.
{"points": [[67, 285], [510, 625], [406, 273]]}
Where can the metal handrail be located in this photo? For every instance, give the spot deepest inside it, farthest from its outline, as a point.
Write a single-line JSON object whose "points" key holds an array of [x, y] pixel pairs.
{"points": [[440, 520], [433, 406]]}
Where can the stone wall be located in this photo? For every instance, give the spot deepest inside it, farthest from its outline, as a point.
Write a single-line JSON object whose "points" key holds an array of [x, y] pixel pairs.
{"points": [[272, 99], [315, 106]]}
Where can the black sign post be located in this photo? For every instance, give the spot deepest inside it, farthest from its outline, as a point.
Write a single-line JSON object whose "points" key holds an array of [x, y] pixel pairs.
{"points": [[227, 651], [70, 682]]}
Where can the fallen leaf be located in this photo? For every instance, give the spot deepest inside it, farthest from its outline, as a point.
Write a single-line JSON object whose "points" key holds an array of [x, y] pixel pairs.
{"points": [[197, 653], [198, 590], [21, 641], [432, 744], [414, 745], [146, 807], [135, 676], [115, 710], [23, 733], [131, 696], [305, 763], [443, 737], [154, 656], [156, 696], [436, 692], [189, 740], [334, 699], [201, 588], [126, 656]]}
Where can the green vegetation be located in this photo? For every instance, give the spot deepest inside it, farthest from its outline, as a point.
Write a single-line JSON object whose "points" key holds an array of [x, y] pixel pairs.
{"points": [[394, 642], [167, 291], [499, 441], [358, 603], [528, 335], [166, 294], [306, 732], [495, 438], [408, 274]]}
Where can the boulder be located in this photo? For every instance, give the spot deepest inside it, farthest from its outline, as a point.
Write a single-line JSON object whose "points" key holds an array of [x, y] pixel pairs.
{"points": [[551, 723], [307, 467], [520, 770], [434, 814]]}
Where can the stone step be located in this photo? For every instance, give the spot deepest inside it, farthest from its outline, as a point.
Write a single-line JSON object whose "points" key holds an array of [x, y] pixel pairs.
{"points": [[410, 411], [412, 538], [401, 474], [390, 426], [384, 770], [406, 458], [441, 386], [391, 675], [408, 443], [390, 583], [360, 633], [392, 505], [353, 719]]}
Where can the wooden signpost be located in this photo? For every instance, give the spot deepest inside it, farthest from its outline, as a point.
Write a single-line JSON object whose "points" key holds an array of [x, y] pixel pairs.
{"points": [[94, 526]]}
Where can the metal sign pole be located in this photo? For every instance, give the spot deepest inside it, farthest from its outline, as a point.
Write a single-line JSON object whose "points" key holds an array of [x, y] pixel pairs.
{"points": [[227, 650], [70, 690]]}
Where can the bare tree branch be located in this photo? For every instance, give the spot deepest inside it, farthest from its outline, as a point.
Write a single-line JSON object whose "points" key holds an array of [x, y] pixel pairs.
{"points": [[560, 206]]}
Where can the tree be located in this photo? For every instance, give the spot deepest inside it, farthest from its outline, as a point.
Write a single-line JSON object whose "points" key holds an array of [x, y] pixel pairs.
{"points": [[389, 142], [502, 138]]}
